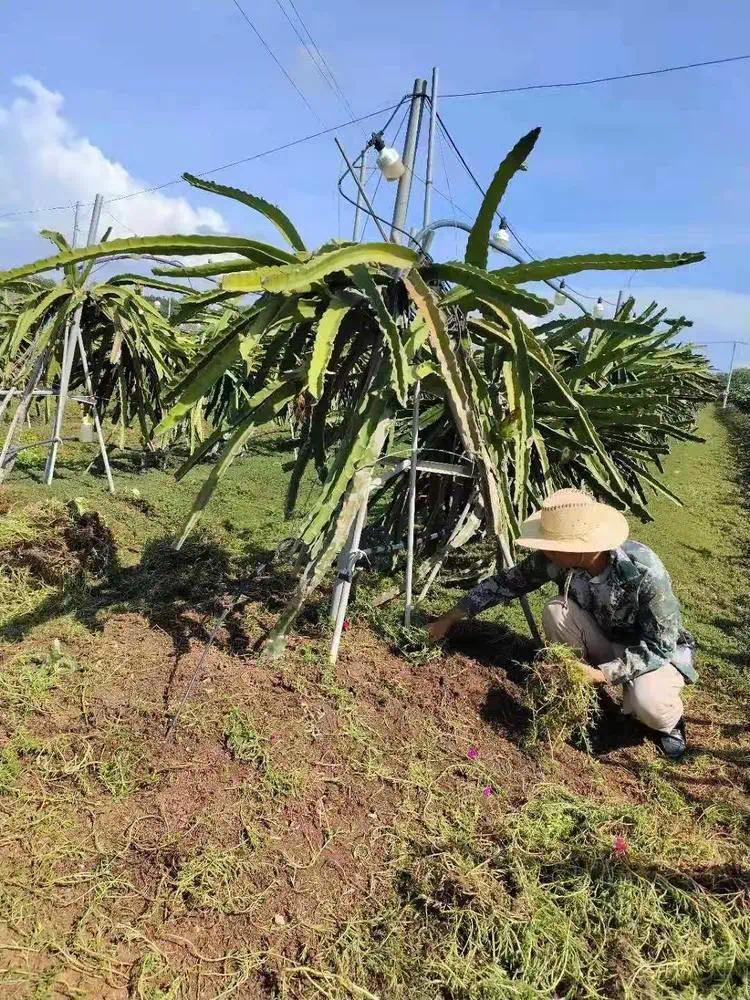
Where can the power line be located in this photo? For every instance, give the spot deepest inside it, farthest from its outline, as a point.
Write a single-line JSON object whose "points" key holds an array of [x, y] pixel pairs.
{"points": [[212, 170], [599, 79], [515, 235], [329, 76], [306, 47], [272, 54]]}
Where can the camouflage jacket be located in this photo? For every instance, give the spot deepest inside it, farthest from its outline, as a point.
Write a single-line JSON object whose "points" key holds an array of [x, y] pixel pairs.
{"points": [[632, 601]]}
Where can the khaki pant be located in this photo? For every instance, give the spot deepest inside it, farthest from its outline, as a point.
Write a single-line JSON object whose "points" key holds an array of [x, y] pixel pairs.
{"points": [[653, 698]]}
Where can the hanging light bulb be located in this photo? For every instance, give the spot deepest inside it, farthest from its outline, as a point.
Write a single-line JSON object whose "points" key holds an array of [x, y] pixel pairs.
{"points": [[598, 310], [560, 294], [389, 159], [502, 236]]}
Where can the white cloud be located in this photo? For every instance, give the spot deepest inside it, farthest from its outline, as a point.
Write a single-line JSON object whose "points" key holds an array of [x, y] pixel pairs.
{"points": [[45, 161]]}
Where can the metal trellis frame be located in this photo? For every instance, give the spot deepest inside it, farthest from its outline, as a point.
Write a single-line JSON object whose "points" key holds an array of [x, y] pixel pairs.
{"points": [[72, 343]]}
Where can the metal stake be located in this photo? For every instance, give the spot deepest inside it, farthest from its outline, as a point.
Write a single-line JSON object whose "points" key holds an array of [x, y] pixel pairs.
{"points": [[72, 340], [412, 503], [430, 150], [360, 189], [362, 192], [729, 377], [97, 422], [74, 241], [347, 562]]}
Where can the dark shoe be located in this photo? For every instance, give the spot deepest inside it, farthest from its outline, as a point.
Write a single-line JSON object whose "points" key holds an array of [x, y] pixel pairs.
{"points": [[673, 745]]}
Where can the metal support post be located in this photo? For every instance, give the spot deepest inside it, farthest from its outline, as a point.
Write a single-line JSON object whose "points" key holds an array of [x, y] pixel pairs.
{"points": [[360, 189], [97, 421], [346, 564], [430, 150], [729, 377], [410, 150], [362, 193], [412, 508], [72, 339]]}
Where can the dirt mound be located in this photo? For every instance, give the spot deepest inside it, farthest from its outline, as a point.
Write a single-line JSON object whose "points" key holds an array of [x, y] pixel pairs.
{"points": [[55, 542]]}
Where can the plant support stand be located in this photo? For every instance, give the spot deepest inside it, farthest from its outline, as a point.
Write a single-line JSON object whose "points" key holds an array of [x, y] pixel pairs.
{"points": [[73, 342]]}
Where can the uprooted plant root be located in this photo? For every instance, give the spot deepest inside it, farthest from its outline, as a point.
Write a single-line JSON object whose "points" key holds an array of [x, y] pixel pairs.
{"points": [[562, 700], [55, 542]]}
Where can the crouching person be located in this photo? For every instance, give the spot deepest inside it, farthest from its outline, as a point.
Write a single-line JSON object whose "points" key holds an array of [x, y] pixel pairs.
{"points": [[616, 608]]}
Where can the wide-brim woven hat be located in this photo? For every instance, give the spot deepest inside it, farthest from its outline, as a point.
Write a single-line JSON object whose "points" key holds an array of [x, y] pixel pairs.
{"points": [[572, 521]]}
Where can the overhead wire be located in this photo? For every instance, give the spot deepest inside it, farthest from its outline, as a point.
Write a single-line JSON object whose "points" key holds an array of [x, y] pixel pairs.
{"points": [[307, 48], [442, 126], [322, 59], [275, 58], [449, 196], [594, 80], [213, 170], [357, 119]]}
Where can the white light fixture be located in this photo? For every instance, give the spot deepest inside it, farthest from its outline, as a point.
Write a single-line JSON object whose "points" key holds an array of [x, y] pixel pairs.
{"points": [[391, 165], [598, 310], [157, 304], [389, 159], [502, 236], [560, 294], [86, 431]]}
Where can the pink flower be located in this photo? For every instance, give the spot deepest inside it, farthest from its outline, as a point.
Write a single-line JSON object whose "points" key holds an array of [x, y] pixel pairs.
{"points": [[619, 846], [346, 626], [472, 753], [487, 791]]}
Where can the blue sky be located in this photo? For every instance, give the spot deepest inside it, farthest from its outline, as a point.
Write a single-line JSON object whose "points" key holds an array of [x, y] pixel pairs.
{"points": [[121, 96]]}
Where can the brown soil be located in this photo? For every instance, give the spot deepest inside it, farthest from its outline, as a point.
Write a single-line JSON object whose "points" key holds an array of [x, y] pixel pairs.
{"points": [[321, 854]]}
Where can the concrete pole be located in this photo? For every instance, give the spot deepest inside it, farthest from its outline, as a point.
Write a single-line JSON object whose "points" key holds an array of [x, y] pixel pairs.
{"points": [[412, 500], [74, 241], [410, 150], [729, 377]]}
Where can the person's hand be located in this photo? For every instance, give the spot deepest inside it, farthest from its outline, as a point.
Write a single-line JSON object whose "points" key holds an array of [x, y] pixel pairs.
{"points": [[438, 629], [593, 674]]}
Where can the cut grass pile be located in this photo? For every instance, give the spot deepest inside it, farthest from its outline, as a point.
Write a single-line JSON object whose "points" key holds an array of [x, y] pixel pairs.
{"points": [[564, 704], [54, 542]]}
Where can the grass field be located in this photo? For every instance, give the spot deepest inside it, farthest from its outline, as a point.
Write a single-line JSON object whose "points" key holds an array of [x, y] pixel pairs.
{"points": [[375, 831]]}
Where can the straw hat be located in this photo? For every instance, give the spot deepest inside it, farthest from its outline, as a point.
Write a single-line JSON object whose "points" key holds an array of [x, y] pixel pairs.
{"points": [[572, 521]]}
